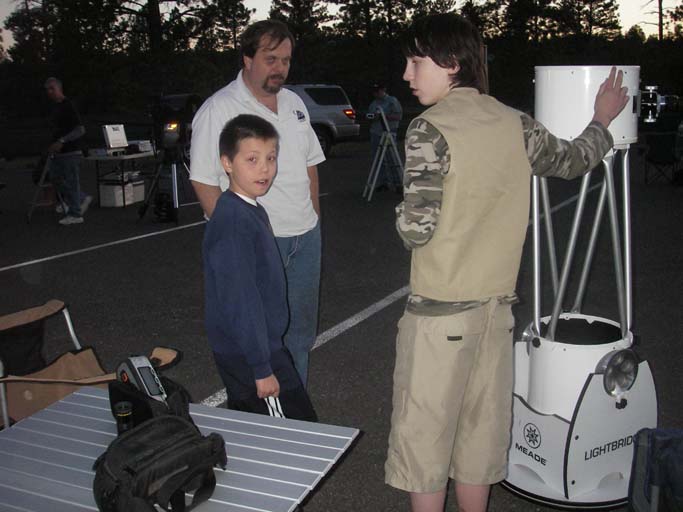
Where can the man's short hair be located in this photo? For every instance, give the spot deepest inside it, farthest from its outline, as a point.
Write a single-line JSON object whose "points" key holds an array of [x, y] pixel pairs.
{"points": [[53, 80], [275, 30], [449, 40], [244, 126]]}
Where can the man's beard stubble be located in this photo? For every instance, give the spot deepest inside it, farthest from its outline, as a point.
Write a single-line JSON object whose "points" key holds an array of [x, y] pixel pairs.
{"points": [[273, 89]]}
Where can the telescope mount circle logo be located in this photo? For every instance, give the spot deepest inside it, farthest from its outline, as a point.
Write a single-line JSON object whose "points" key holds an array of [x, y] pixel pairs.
{"points": [[532, 435]]}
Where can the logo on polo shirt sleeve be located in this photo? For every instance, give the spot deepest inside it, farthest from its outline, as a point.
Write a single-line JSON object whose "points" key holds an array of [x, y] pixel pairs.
{"points": [[300, 115]]}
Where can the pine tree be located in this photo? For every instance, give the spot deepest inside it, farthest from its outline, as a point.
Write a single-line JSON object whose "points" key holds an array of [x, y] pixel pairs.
{"points": [[375, 19], [159, 26], [60, 30], [530, 19], [29, 24], [636, 33], [427, 7], [676, 16], [589, 18], [356, 18], [487, 16], [394, 13], [222, 23], [303, 17]]}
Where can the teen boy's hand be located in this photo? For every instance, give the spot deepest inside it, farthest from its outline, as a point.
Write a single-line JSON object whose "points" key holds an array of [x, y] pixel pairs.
{"points": [[267, 387], [611, 98]]}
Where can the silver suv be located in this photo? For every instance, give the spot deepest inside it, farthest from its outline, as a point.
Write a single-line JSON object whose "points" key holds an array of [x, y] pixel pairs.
{"points": [[332, 116]]}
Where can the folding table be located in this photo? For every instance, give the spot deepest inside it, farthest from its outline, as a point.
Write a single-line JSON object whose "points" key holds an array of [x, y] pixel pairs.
{"points": [[273, 464], [118, 162]]}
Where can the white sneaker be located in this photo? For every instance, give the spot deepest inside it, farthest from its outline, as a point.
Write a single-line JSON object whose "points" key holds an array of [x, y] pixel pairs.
{"points": [[85, 204], [71, 220]]}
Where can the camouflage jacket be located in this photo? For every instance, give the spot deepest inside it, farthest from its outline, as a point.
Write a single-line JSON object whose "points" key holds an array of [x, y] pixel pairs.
{"points": [[428, 161]]}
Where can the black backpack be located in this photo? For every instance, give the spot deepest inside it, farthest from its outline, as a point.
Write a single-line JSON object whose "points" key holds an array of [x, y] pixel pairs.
{"points": [[160, 458], [157, 462]]}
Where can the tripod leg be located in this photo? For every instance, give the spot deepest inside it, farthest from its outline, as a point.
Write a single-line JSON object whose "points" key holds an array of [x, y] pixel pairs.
{"points": [[40, 187], [378, 169], [150, 194], [174, 187], [372, 178], [367, 191]]}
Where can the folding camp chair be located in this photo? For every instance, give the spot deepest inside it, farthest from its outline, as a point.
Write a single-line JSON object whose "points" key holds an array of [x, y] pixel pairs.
{"points": [[42, 186], [29, 384], [21, 344], [661, 161]]}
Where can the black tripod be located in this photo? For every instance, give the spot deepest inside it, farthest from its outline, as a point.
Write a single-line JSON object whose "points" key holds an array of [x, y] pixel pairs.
{"points": [[171, 158]]}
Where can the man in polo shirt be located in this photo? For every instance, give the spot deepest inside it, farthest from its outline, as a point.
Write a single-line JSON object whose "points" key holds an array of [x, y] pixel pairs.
{"points": [[292, 201]]}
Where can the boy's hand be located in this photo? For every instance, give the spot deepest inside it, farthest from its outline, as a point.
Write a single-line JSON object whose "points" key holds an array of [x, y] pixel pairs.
{"points": [[611, 98], [267, 387]]}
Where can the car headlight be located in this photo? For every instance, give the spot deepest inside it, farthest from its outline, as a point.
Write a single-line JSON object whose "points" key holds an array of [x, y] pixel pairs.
{"points": [[171, 127], [619, 369]]}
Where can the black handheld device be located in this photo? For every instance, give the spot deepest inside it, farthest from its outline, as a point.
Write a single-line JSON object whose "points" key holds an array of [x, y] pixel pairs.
{"points": [[138, 370]]}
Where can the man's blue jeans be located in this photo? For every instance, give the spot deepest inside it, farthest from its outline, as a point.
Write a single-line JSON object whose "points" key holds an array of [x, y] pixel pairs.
{"points": [[64, 174], [389, 173], [301, 259]]}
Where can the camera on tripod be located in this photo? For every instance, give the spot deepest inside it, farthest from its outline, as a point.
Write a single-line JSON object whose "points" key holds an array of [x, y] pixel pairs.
{"points": [[379, 115], [172, 119], [172, 125]]}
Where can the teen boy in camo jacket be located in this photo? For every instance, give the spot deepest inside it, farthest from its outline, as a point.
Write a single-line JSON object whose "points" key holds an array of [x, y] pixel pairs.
{"points": [[469, 161]]}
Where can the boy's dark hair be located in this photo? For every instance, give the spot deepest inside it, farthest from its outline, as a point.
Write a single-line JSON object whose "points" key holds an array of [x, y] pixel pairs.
{"points": [[276, 31], [244, 126], [449, 40]]}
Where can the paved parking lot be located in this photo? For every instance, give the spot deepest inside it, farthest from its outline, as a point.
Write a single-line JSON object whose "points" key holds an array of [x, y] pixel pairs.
{"points": [[134, 284]]}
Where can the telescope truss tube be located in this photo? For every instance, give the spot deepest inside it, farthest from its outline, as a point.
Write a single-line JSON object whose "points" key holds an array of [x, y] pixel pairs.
{"points": [[548, 218], [566, 267], [537, 254], [578, 301], [626, 192], [564, 102], [616, 241]]}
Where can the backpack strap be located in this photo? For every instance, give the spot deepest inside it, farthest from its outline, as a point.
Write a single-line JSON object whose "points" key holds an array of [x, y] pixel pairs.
{"points": [[173, 490], [133, 504]]}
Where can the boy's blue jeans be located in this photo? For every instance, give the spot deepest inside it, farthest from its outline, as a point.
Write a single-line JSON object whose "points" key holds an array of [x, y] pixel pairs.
{"points": [[301, 259]]}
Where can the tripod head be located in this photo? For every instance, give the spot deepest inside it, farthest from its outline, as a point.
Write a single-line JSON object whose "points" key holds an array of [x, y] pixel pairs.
{"points": [[172, 118], [383, 119]]}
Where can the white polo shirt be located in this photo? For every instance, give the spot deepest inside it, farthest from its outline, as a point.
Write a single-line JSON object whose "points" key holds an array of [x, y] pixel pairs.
{"points": [[288, 202]]}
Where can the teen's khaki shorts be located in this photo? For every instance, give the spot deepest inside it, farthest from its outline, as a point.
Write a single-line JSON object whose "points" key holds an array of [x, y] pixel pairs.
{"points": [[452, 402]]}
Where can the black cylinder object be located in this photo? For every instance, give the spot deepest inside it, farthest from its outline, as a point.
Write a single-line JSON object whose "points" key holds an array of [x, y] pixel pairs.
{"points": [[123, 412]]}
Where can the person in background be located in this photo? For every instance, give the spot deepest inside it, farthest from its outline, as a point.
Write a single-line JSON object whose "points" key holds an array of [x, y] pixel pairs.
{"points": [[66, 153], [390, 174], [469, 161]]}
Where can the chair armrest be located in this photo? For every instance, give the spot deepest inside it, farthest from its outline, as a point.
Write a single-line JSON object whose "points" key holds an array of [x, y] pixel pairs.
{"points": [[30, 315]]}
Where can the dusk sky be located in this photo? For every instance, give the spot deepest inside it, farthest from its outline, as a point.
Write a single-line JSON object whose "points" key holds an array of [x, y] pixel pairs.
{"points": [[631, 12]]}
